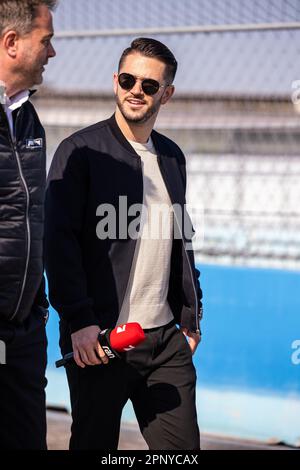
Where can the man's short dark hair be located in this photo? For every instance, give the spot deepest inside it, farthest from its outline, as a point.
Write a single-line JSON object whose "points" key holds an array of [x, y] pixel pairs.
{"points": [[152, 48], [18, 15]]}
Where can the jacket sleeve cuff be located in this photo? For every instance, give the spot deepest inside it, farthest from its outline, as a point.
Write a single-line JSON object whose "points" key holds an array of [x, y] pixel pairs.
{"points": [[83, 319]]}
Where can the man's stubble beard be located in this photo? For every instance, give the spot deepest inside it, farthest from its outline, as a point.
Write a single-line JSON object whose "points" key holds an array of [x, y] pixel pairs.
{"points": [[138, 118], [29, 73]]}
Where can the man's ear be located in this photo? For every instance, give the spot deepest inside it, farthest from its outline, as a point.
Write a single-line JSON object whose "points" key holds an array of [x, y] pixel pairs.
{"points": [[10, 43], [115, 83], [169, 92]]}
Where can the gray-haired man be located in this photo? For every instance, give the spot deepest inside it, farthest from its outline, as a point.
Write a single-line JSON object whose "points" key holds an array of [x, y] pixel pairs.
{"points": [[25, 48]]}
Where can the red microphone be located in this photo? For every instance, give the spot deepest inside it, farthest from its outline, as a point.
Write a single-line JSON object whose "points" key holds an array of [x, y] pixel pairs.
{"points": [[120, 339]]}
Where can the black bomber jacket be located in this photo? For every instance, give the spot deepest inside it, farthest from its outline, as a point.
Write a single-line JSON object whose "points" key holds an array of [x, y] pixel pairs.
{"points": [[88, 276]]}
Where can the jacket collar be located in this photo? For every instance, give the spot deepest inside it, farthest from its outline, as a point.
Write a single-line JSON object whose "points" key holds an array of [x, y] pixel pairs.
{"points": [[167, 160], [124, 142], [119, 135], [17, 100]]}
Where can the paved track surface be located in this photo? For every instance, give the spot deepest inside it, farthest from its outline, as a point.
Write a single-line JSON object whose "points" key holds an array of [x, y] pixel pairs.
{"points": [[131, 438]]}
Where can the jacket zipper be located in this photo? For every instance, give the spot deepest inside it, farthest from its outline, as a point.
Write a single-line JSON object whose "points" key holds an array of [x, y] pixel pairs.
{"points": [[28, 233], [189, 263], [27, 228]]}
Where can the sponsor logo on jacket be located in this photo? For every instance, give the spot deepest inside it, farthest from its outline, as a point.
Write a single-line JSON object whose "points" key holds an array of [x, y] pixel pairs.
{"points": [[34, 143]]}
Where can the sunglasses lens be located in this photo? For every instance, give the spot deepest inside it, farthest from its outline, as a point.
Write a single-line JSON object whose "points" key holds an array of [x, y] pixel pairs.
{"points": [[150, 87], [126, 81]]}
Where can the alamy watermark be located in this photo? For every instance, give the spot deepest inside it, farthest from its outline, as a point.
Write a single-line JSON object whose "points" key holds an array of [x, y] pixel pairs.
{"points": [[2, 353], [296, 354], [155, 222]]}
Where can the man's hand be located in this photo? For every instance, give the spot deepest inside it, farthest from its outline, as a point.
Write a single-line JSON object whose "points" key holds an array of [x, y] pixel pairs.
{"points": [[193, 338], [86, 347]]}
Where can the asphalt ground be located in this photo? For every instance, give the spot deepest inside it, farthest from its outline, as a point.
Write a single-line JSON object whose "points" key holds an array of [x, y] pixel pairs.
{"points": [[131, 439]]}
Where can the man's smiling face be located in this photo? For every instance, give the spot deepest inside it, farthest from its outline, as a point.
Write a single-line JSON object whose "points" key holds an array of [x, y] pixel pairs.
{"points": [[135, 105]]}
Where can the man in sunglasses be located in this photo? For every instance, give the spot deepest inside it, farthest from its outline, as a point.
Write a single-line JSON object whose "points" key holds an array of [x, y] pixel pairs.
{"points": [[110, 261]]}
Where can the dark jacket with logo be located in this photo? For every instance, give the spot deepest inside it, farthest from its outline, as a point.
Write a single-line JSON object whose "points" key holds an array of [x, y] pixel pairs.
{"points": [[88, 276], [22, 188]]}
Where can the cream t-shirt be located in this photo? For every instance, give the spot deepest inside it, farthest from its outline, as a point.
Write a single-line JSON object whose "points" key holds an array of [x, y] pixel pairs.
{"points": [[145, 299]]}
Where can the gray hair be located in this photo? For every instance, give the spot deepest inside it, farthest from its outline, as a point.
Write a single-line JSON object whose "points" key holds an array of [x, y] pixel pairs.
{"points": [[19, 15]]}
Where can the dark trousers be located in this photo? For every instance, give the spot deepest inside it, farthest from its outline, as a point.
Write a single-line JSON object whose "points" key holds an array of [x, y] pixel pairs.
{"points": [[158, 376], [22, 385]]}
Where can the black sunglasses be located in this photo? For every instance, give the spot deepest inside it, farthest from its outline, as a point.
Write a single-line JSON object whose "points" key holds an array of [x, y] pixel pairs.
{"points": [[149, 86]]}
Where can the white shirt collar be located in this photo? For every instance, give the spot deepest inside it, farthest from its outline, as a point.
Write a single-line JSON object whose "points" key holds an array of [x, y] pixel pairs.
{"points": [[147, 147], [13, 103], [17, 100]]}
